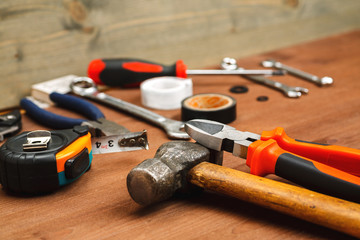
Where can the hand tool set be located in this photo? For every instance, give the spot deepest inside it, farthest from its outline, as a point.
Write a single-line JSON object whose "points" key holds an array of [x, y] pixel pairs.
{"points": [[42, 161], [84, 86], [98, 127], [178, 166]]}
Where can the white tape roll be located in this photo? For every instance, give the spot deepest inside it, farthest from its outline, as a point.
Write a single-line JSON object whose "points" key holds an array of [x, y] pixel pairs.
{"points": [[165, 93]]}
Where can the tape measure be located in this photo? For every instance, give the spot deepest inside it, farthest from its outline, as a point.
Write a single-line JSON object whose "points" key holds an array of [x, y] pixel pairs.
{"points": [[43, 161]]}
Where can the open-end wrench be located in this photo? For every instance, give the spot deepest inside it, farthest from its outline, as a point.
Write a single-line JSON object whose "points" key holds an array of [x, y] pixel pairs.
{"points": [[86, 87], [292, 92], [296, 72]]}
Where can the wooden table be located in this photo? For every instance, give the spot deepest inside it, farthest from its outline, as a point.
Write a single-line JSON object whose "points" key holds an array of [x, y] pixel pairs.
{"points": [[98, 206]]}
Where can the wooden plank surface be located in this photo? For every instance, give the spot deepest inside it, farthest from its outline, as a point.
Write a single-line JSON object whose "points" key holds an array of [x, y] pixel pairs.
{"points": [[98, 206], [42, 40]]}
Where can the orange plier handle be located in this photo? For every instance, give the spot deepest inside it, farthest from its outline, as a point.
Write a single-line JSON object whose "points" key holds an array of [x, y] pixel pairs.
{"points": [[342, 158], [266, 156]]}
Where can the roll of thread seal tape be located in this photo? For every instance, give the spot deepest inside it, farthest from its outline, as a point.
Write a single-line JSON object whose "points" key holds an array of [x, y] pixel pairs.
{"points": [[165, 93], [211, 106]]}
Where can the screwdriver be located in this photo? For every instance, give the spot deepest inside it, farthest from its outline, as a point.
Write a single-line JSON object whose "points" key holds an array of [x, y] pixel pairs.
{"points": [[128, 72]]}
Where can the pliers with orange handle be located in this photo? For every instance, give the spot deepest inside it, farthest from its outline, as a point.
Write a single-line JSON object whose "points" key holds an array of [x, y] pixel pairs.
{"points": [[323, 168]]}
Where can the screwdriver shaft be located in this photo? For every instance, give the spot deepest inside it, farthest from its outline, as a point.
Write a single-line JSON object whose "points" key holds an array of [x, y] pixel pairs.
{"points": [[234, 72]]}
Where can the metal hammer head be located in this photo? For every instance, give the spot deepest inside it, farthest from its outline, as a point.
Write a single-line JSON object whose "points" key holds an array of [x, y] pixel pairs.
{"points": [[158, 178]]}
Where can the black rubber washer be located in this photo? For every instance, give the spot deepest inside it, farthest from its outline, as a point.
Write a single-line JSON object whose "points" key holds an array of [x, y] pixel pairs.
{"points": [[262, 98], [239, 89]]}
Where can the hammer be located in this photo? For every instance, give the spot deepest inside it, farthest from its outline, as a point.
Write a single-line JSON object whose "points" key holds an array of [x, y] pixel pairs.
{"points": [[178, 165]]}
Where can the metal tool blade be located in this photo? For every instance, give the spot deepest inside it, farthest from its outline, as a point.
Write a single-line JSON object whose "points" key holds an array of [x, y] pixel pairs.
{"points": [[220, 137], [120, 143]]}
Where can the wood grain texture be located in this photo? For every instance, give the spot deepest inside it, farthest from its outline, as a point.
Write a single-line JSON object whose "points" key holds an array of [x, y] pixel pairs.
{"points": [[98, 206], [42, 40], [317, 208]]}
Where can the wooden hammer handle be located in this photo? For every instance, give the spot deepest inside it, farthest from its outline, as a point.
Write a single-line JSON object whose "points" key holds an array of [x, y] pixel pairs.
{"points": [[311, 206]]}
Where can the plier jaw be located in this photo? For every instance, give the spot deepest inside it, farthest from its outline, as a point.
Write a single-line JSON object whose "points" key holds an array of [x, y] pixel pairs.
{"points": [[220, 137]]}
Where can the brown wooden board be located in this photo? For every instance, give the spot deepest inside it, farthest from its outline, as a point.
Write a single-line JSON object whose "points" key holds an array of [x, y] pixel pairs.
{"points": [[98, 206], [41, 40]]}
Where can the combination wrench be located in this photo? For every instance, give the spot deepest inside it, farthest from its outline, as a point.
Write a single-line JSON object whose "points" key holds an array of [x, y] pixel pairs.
{"points": [[296, 72], [292, 92], [86, 87]]}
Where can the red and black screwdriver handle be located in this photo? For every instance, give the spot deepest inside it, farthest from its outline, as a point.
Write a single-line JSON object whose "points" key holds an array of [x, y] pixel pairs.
{"points": [[267, 157], [342, 158], [126, 72]]}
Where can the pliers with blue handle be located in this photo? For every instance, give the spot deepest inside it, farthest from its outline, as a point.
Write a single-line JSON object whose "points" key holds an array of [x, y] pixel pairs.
{"points": [[268, 155], [98, 125]]}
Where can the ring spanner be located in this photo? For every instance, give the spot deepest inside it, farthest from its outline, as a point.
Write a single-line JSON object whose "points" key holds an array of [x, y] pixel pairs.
{"points": [[292, 92], [296, 72], [86, 87]]}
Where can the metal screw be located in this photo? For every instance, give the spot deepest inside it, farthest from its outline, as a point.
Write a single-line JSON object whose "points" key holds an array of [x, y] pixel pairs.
{"points": [[122, 142], [132, 142], [141, 141]]}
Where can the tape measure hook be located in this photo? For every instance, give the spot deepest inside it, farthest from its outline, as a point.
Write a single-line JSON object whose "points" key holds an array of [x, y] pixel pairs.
{"points": [[37, 140]]}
